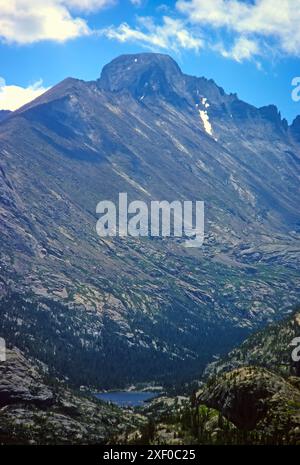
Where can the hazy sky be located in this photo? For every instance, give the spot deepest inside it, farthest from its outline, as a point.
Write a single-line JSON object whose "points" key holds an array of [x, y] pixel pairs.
{"points": [[251, 47]]}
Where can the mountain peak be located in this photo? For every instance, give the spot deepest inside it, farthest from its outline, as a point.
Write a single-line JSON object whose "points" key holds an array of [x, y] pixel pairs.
{"points": [[295, 128], [141, 74]]}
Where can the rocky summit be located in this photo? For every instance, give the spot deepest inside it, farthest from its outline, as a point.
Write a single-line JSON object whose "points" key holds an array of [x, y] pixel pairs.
{"points": [[107, 311]]}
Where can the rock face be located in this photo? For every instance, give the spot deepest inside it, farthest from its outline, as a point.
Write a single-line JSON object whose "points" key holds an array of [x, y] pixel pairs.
{"points": [[32, 412], [295, 128], [144, 75], [20, 382], [135, 309], [256, 399]]}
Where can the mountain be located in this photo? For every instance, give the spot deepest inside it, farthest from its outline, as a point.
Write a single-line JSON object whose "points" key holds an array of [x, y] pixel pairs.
{"points": [[257, 385], [4, 114], [270, 348], [251, 396], [295, 129], [139, 309], [35, 409], [249, 404]]}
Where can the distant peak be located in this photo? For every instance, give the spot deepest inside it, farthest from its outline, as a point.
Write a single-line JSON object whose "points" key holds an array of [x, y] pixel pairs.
{"points": [[296, 122], [295, 128], [141, 73], [143, 59], [270, 112]]}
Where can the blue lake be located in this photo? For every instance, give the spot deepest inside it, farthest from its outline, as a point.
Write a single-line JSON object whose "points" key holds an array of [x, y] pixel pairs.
{"points": [[126, 398]]}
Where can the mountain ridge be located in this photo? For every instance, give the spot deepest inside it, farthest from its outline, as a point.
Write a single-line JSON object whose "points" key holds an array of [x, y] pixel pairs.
{"points": [[122, 65], [78, 144]]}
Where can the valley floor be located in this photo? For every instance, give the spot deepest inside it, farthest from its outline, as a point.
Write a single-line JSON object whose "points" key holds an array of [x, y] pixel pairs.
{"points": [[238, 403]]}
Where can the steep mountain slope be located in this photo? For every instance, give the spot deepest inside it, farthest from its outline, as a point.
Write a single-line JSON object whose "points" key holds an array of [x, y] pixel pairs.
{"points": [[243, 389], [132, 306], [252, 396], [34, 410], [270, 348], [4, 114]]}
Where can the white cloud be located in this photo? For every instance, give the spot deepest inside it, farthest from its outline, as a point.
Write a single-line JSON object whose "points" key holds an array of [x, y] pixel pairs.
{"points": [[13, 97], [171, 35], [253, 28], [29, 21], [242, 49], [89, 5], [274, 20]]}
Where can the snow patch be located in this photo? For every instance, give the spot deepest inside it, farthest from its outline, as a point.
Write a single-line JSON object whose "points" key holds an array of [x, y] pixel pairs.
{"points": [[204, 116], [205, 102], [206, 123]]}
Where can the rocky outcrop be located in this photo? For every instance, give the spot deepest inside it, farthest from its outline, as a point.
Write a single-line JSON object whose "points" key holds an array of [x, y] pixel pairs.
{"points": [[21, 383], [256, 399], [32, 411]]}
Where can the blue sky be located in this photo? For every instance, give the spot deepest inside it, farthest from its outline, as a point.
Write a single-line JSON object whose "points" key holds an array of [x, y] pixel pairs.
{"points": [[251, 47]]}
